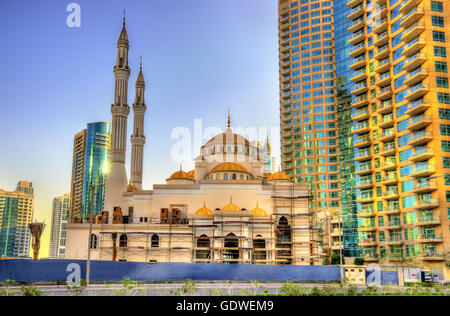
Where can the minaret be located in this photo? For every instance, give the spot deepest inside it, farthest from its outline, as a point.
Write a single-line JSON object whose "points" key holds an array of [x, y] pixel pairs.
{"points": [[116, 180], [138, 138]]}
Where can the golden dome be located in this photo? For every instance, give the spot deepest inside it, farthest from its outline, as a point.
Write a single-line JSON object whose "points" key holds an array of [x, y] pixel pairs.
{"points": [[203, 210], [191, 174], [131, 188], [231, 207], [180, 175], [280, 175], [229, 166], [258, 211]]}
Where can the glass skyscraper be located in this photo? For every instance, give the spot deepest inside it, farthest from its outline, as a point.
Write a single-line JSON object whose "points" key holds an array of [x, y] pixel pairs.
{"points": [[95, 166]]}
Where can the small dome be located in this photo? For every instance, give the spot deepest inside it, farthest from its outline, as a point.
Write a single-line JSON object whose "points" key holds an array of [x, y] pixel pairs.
{"points": [[229, 166], [131, 188], [280, 175], [191, 174], [180, 175], [258, 211], [203, 210], [231, 207]]}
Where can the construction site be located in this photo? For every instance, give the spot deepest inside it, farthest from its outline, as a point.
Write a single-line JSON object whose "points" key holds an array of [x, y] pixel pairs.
{"points": [[286, 235]]}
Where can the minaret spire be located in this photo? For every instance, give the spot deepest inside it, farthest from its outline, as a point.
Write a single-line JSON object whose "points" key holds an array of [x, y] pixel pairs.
{"points": [[116, 180], [138, 138]]}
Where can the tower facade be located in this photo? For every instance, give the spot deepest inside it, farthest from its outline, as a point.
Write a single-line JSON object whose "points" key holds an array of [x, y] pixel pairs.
{"points": [[77, 182], [60, 210], [116, 181], [138, 138], [401, 125]]}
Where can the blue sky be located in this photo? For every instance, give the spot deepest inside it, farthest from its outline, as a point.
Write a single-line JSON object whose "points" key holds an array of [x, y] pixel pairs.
{"points": [[201, 58]]}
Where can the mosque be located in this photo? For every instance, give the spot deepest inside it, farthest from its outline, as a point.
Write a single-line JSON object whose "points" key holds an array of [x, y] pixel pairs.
{"points": [[226, 210]]}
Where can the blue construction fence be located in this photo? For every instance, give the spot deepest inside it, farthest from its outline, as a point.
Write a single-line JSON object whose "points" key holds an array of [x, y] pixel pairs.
{"points": [[62, 270]]}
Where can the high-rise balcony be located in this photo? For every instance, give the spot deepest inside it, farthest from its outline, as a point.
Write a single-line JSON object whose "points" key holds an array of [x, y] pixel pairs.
{"points": [[286, 56], [284, 26], [383, 66], [425, 187], [390, 179], [384, 79], [284, 18], [363, 168], [382, 53], [388, 149], [411, 17], [381, 39], [381, 26], [388, 135], [359, 62], [285, 34], [418, 107], [419, 122], [428, 221], [384, 93], [432, 256], [359, 88], [415, 61], [357, 25], [363, 155], [433, 237], [389, 165], [422, 154], [408, 5], [368, 242], [393, 224], [364, 184], [360, 101], [416, 76], [357, 37], [391, 210], [354, 3], [385, 107], [417, 91], [414, 46], [366, 212], [361, 114], [390, 195], [362, 128], [423, 171], [285, 48], [285, 63], [362, 141], [285, 40], [387, 121], [394, 240], [356, 12], [413, 31], [367, 227], [426, 204], [286, 86], [357, 50]]}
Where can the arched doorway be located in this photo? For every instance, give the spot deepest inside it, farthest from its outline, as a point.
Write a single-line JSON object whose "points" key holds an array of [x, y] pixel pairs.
{"points": [[155, 241], [123, 241], [205, 253], [284, 241], [259, 255], [231, 251]]}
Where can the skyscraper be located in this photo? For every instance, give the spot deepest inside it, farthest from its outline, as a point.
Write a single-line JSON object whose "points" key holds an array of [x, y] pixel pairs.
{"points": [[401, 124], [60, 213], [309, 129], [77, 182], [89, 167], [16, 212]]}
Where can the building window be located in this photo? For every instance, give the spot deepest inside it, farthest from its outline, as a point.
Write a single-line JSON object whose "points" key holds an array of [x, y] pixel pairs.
{"points": [[445, 144], [444, 114], [123, 241], [439, 36], [436, 6], [437, 21], [94, 241], [442, 82], [440, 51], [443, 98], [155, 241], [440, 66], [445, 130]]}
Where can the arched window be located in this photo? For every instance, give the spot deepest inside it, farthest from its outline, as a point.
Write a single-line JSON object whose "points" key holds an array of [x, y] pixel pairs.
{"points": [[204, 243], [259, 245], [225, 176], [123, 241], [283, 221], [94, 241], [217, 176], [231, 251], [234, 176], [155, 241], [241, 177]]}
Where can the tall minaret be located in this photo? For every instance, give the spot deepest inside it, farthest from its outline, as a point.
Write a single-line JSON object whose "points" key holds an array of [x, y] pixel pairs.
{"points": [[138, 138], [116, 180]]}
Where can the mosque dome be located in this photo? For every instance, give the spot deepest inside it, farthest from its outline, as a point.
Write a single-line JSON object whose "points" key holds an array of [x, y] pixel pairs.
{"points": [[203, 210], [191, 174], [231, 207], [229, 166], [280, 175], [258, 211], [180, 175]]}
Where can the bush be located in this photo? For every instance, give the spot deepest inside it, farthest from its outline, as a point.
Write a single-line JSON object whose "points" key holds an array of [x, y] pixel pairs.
{"points": [[336, 259], [290, 289], [29, 290], [5, 288], [359, 261]]}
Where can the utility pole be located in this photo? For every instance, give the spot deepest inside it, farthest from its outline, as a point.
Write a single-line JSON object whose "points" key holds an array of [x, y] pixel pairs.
{"points": [[88, 263]]}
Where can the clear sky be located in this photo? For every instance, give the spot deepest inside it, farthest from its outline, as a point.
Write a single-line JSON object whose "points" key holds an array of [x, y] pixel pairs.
{"points": [[201, 58]]}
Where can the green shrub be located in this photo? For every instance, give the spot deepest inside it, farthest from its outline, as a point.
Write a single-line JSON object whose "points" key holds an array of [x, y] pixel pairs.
{"points": [[30, 290], [358, 261], [290, 289]]}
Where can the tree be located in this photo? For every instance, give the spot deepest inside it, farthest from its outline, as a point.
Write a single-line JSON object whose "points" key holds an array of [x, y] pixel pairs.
{"points": [[359, 261], [114, 247], [36, 230], [336, 259]]}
